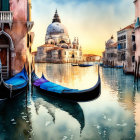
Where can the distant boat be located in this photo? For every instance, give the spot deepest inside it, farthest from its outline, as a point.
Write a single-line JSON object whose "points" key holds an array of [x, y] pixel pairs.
{"points": [[106, 66], [85, 65], [118, 67], [14, 86], [74, 64], [49, 88], [101, 64]]}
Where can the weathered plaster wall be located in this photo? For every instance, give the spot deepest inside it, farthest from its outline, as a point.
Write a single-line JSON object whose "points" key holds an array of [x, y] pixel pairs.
{"points": [[19, 8], [137, 31], [18, 33], [137, 34]]}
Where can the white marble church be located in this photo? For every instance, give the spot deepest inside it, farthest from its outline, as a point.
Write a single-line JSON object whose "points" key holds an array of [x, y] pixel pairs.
{"points": [[58, 47]]}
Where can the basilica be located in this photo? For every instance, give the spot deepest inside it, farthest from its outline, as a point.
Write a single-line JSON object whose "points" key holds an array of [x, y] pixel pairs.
{"points": [[58, 47]]}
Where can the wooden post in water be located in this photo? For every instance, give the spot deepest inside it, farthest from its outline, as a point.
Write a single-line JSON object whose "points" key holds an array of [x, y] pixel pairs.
{"points": [[135, 74], [31, 78], [138, 69]]}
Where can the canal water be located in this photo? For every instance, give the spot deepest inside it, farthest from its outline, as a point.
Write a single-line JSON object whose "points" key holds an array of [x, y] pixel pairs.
{"points": [[115, 115]]}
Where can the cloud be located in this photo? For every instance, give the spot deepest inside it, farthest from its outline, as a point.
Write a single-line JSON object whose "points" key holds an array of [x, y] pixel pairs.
{"points": [[92, 21]]}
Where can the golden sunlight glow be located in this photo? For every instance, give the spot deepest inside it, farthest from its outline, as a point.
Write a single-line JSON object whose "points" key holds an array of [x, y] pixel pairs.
{"points": [[92, 26]]}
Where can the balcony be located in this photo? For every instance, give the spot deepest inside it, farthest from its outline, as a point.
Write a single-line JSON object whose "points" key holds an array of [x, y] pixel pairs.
{"points": [[6, 17]]}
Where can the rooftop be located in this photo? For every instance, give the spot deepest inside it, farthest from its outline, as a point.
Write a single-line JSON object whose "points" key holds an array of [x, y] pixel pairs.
{"points": [[131, 26], [56, 48], [89, 55], [48, 45]]}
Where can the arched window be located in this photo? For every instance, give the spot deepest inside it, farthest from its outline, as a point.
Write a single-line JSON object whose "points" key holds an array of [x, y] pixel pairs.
{"points": [[72, 55], [62, 41]]}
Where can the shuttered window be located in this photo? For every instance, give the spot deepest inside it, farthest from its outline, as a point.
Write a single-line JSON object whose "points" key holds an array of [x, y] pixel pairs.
{"points": [[4, 5], [0, 5]]}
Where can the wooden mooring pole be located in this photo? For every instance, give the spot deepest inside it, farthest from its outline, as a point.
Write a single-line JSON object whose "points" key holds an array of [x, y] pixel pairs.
{"points": [[138, 71], [135, 73]]}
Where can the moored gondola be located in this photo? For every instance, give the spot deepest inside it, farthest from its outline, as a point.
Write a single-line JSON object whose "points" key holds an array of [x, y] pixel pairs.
{"points": [[14, 86], [52, 89]]}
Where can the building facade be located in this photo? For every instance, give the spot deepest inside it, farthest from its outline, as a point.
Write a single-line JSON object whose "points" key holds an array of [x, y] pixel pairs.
{"points": [[15, 39], [58, 47], [91, 58], [126, 48], [122, 52], [137, 35]]}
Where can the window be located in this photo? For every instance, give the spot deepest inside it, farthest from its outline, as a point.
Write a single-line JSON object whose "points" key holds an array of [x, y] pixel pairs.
{"points": [[118, 38], [124, 36], [0, 5], [59, 54], [28, 37], [72, 55], [124, 45], [123, 57], [4, 5], [133, 59], [134, 47], [62, 41], [133, 38]]}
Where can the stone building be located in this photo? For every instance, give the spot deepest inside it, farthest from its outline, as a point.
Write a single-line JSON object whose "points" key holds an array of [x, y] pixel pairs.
{"points": [[91, 58], [15, 39], [137, 34], [122, 52], [58, 47], [110, 54], [126, 48]]}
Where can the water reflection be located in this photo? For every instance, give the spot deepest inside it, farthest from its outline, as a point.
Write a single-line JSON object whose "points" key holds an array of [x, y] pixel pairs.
{"points": [[14, 119], [113, 116], [51, 104], [122, 84], [66, 75]]}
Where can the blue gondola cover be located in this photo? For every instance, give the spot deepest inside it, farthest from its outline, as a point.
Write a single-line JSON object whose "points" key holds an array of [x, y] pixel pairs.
{"points": [[49, 86], [18, 79]]}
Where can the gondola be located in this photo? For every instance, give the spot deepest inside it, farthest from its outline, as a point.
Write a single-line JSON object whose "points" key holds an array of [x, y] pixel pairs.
{"points": [[85, 65], [14, 86], [52, 89]]}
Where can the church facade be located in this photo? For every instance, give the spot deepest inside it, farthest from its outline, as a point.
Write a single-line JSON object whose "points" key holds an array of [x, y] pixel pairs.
{"points": [[58, 47]]}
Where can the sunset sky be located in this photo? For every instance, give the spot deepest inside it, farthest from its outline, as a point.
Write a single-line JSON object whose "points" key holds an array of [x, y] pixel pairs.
{"points": [[93, 21]]}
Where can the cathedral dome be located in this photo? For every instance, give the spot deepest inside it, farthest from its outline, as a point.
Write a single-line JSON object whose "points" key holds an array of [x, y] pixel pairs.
{"points": [[56, 28], [110, 41]]}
